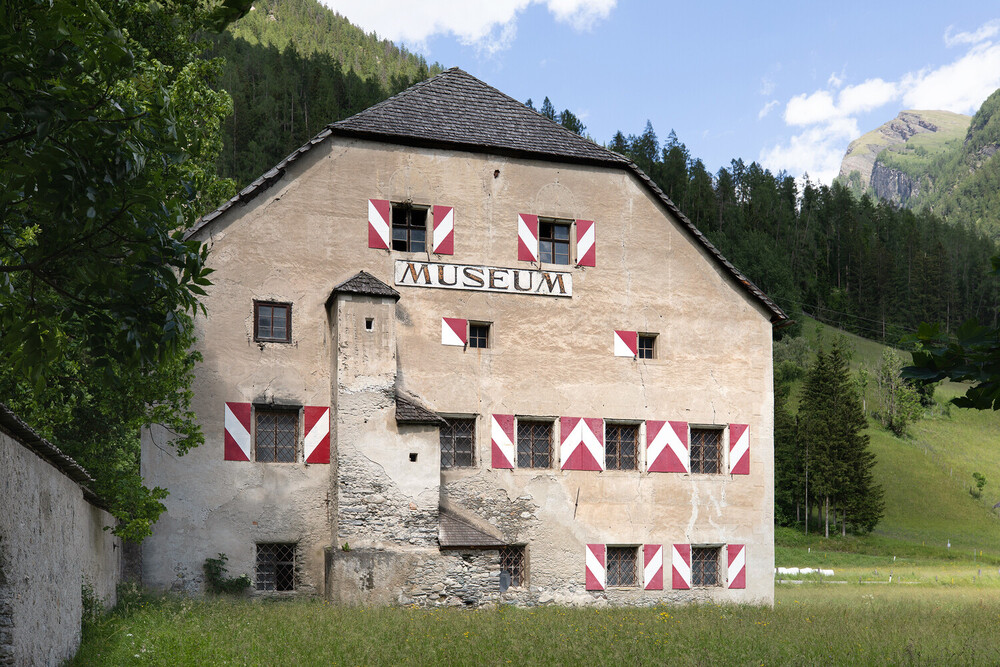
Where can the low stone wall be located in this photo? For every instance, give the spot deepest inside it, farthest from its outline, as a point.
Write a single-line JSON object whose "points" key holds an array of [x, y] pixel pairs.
{"points": [[52, 542]]}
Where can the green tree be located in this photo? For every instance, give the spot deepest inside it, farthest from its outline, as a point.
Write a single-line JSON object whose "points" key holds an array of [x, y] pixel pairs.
{"points": [[897, 402], [548, 110], [569, 120]]}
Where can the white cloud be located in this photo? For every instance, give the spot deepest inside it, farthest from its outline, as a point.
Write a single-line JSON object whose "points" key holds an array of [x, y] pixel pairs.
{"points": [[835, 80], [767, 108], [960, 86], [866, 96], [818, 150], [490, 26], [810, 109], [985, 31], [766, 86]]}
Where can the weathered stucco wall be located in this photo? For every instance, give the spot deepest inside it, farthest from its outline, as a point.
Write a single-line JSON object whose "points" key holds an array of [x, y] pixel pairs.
{"points": [[549, 357], [52, 542]]}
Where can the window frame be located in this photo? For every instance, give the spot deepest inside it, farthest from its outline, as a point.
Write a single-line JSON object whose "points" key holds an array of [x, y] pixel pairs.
{"points": [[618, 552], [550, 423], [256, 321], [569, 240], [472, 432], [408, 208], [488, 339], [719, 433], [610, 424], [295, 412], [261, 586], [698, 553], [515, 552], [640, 349]]}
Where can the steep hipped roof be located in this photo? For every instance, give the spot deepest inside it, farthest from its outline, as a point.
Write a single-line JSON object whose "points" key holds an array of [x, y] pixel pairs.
{"points": [[409, 412], [367, 285], [456, 110]]}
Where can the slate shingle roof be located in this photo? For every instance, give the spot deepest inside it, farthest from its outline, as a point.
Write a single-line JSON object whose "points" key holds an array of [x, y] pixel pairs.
{"points": [[408, 412], [456, 110], [366, 284], [457, 531]]}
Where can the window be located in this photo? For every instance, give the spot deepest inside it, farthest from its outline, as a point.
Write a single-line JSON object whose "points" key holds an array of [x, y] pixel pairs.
{"points": [[458, 443], [706, 450], [646, 345], [621, 444], [272, 321], [534, 444], [622, 569], [409, 228], [705, 566], [479, 334], [276, 567], [276, 435], [512, 566], [553, 241]]}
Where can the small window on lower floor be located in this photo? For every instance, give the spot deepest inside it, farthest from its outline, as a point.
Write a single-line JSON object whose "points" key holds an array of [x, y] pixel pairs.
{"points": [[512, 566], [647, 346], [705, 566], [622, 570], [479, 334], [275, 567]]}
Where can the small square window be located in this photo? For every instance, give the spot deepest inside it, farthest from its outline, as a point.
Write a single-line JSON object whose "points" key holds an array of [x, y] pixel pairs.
{"points": [[512, 566], [479, 334], [275, 567], [647, 346], [272, 322], [705, 566], [534, 444], [553, 241], [622, 567], [706, 450], [276, 434], [409, 228], [458, 443], [621, 446]]}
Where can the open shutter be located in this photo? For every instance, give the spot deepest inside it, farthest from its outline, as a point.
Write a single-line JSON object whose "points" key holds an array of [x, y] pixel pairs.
{"points": [[502, 440], [626, 343], [652, 566], [737, 566], [667, 446], [681, 566], [582, 445], [595, 567], [739, 449], [237, 437], [527, 237], [586, 250], [454, 331], [379, 224], [444, 230], [317, 429]]}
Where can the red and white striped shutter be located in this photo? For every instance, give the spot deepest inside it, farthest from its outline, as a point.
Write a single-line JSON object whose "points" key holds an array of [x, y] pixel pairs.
{"points": [[237, 437], [737, 566], [454, 331], [652, 566], [667, 446], [317, 428], [586, 247], [502, 440], [596, 571], [681, 566], [444, 230], [582, 443], [379, 224], [739, 449], [626, 343], [527, 237]]}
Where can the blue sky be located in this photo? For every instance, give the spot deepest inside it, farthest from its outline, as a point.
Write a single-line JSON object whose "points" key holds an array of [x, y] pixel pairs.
{"points": [[786, 84]]}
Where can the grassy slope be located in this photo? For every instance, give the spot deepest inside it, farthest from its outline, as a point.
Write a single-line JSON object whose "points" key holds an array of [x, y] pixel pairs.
{"points": [[917, 152]]}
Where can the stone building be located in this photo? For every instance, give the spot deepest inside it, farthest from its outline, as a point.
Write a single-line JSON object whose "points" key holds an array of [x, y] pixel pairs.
{"points": [[457, 354]]}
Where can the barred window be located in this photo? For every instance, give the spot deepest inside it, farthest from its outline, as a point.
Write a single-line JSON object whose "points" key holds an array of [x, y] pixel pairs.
{"points": [[621, 446], [276, 567], [534, 444], [272, 321], [705, 566], [512, 565], [479, 334], [276, 433], [621, 569], [409, 228], [647, 344], [458, 443], [706, 450]]}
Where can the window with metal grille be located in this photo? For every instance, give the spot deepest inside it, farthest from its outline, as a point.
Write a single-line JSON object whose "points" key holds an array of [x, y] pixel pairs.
{"points": [[621, 443], [621, 569], [272, 321], [479, 334], [534, 444], [458, 443], [409, 228], [512, 564], [275, 435], [647, 344], [705, 566], [276, 567], [553, 241], [706, 450]]}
